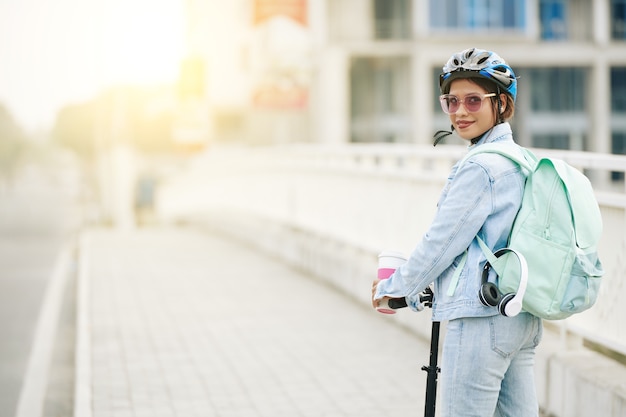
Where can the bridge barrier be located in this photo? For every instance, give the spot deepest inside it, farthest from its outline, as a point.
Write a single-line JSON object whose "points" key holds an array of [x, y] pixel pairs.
{"points": [[331, 210]]}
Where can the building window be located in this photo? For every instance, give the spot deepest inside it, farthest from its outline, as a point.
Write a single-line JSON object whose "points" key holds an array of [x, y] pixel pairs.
{"points": [[618, 90], [566, 19], [555, 101], [392, 19], [618, 19], [619, 143], [379, 100], [618, 109], [478, 15], [557, 90], [618, 146], [553, 20], [551, 141]]}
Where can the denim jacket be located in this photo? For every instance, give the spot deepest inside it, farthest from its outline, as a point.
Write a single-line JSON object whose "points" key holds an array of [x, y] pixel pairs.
{"points": [[481, 198]]}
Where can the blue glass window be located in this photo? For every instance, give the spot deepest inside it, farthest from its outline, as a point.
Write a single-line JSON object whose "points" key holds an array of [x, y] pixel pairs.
{"points": [[478, 14], [552, 14]]}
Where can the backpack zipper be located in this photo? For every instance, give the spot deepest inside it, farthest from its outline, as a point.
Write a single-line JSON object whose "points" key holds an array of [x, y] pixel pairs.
{"points": [[546, 231]]}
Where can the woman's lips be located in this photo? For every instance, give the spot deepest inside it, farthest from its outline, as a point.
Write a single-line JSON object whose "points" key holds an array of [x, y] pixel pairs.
{"points": [[463, 124]]}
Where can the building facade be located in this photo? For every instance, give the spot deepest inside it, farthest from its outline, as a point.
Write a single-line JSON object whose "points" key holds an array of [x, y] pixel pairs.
{"points": [[384, 57], [340, 71]]}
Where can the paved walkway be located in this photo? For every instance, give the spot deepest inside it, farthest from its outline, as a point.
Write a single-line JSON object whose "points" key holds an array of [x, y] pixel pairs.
{"points": [[178, 322]]}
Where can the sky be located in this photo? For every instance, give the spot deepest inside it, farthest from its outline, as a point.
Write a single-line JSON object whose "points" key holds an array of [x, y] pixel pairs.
{"points": [[59, 52]]}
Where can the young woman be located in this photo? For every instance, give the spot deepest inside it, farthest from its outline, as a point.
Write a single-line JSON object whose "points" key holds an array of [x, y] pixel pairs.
{"points": [[487, 362]]}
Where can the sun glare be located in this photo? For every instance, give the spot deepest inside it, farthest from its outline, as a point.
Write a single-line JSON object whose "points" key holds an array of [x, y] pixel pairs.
{"points": [[141, 41], [66, 51]]}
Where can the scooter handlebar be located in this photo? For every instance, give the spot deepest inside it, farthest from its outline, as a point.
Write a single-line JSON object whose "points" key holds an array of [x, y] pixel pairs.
{"points": [[426, 300]]}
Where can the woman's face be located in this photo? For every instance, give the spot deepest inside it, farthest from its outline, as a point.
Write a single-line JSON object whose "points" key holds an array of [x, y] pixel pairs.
{"points": [[469, 125]]}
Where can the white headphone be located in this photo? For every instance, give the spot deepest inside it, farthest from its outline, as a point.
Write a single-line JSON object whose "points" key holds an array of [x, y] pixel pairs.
{"points": [[509, 304]]}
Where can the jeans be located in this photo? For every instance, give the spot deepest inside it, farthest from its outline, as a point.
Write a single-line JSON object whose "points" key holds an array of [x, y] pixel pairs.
{"points": [[487, 367]]}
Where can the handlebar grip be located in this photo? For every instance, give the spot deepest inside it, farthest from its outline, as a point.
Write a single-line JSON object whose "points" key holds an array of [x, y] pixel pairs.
{"points": [[396, 303]]}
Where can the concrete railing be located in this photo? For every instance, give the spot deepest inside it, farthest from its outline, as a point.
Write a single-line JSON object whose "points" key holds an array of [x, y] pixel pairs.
{"points": [[330, 210]]}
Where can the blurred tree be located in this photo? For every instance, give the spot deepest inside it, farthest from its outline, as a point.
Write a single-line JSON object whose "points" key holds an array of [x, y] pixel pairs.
{"points": [[75, 127], [12, 142], [121, 114]]}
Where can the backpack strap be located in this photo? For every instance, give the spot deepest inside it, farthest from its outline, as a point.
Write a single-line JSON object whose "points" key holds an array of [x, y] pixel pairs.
{"points": [[588, 228], [498, 261], [457, 275], [583, 208], [491, 258], [528, 162]]}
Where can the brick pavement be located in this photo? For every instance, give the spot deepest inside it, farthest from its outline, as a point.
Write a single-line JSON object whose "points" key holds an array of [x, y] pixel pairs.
{"points": [[182, 323]]}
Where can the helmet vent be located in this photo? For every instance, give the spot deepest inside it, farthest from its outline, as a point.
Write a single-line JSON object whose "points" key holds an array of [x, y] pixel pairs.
{"points": [[478, 63]]}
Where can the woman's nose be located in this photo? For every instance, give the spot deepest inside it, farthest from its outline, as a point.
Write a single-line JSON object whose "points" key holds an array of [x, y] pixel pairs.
{"points": [[461, 109]]}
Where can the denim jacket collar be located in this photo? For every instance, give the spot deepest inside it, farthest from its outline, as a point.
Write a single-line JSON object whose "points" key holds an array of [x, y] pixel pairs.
{"points": [[497, 133]]}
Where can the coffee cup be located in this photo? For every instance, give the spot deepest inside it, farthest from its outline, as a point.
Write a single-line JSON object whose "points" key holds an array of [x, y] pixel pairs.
{"points": [[388, 262]]}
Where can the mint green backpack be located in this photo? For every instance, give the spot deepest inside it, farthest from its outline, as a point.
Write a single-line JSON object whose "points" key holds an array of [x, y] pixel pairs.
{"points": [[556, 230]]}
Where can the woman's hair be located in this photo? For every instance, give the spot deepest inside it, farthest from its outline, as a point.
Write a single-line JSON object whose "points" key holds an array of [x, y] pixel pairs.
{"points": [[491, 87]]}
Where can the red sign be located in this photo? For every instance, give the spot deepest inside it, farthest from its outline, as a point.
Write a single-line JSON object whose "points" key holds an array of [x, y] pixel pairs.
{"points": [[271, 97], [266, 9]]}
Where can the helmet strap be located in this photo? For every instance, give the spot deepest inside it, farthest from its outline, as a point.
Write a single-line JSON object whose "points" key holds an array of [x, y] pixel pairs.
{"points": [[499, 115], [441, 134]]}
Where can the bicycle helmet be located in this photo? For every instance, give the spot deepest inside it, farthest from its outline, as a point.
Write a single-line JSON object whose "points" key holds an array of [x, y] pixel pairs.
{"points": [[475, 62]]}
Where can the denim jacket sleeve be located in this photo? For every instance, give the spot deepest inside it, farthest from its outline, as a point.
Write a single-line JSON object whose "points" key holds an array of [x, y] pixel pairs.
{"points": [[464, 205], [481, 197]]}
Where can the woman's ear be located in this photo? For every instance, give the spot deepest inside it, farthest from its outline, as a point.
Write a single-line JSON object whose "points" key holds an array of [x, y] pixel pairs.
{"points": [[503, 102]]}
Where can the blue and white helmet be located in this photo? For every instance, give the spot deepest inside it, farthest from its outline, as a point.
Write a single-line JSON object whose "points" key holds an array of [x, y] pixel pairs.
{"points": [[475, 62]]}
